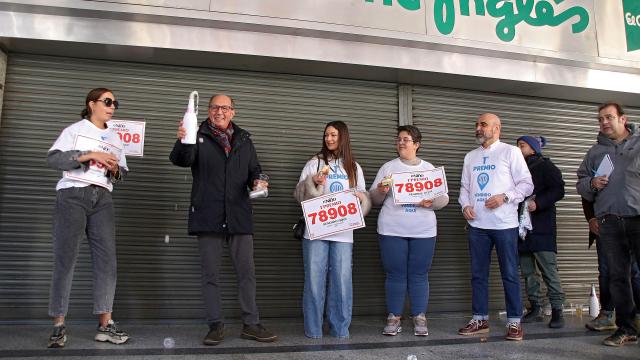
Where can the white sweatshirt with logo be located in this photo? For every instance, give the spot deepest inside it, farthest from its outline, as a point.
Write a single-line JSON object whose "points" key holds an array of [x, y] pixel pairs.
{"points": [[498, 169], [337, 180], [406, 220]]}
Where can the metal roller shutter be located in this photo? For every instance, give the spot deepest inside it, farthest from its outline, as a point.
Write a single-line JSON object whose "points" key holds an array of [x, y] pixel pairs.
{"points": [[447, 118], [286, 115]]}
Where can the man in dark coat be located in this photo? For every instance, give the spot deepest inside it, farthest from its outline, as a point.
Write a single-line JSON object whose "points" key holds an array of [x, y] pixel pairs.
{"points": [[539, 249], [224, 165]]}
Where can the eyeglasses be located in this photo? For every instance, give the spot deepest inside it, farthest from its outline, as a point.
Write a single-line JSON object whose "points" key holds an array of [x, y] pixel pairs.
{"points": [[403, 140], [225, 109], [109, 101]]}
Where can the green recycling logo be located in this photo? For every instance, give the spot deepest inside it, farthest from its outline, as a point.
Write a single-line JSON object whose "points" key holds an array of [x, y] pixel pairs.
{"points": [[632, 23]]}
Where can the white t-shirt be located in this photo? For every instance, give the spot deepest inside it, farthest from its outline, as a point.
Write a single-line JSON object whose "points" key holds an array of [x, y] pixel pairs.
{"points": [[407, 220], [498, 169], [66, 142], [337, 180]]}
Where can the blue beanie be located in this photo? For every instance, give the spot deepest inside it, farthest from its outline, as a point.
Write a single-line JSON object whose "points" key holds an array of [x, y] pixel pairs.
{"points": [[536, 142]]}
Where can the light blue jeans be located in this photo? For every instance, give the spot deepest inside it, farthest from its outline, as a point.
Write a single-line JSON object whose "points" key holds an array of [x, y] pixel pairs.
{"points": [[327, 275]]}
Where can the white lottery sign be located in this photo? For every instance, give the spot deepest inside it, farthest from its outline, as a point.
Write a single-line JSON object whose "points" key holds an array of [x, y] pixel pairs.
{"points": [[97, 171], [415, 186], [332, 213], [132, 135]]}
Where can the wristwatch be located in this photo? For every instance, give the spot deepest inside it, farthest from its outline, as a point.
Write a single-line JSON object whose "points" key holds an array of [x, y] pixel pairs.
{"points": [[506, 198]]}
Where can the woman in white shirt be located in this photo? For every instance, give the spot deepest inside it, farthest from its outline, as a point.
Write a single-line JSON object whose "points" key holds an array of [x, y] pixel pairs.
{"points": [[332, 169], [407, 235], [90, 155]]}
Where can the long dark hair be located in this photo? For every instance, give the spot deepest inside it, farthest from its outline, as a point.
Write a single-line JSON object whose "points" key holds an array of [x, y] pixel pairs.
{"points": [[93, 95], [343, 152]]}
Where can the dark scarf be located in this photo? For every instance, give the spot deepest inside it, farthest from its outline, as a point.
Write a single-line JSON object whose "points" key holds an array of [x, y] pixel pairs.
{"points": [[222, 137], [534, 160]]}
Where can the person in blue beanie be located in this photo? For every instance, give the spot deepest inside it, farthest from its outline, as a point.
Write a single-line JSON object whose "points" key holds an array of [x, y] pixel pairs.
{"points": [[538, 249]]}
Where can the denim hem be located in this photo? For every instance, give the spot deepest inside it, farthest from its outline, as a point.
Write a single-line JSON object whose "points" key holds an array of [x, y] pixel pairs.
{"points": [[313, 336], [100, 312], [513, 320], [480, 317]]}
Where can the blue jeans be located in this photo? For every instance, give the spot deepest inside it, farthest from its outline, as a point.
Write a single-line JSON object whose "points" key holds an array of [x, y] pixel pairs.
{"points": [[322, 258], [407, 262], [481, 243], [603, 280]]}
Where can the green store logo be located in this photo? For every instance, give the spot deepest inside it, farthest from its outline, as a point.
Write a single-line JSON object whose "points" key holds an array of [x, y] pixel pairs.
{"points": [[509, 13], [631, 9]]}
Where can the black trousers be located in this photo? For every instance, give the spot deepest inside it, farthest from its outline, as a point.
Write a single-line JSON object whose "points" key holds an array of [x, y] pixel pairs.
{"points": [[620, 239]]}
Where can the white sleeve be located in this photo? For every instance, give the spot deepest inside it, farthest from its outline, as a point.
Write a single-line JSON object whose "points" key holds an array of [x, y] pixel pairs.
{"points": [[361, 186], [309, 169], [381, 174], [65, 141], [521, 177], [465, 189]]}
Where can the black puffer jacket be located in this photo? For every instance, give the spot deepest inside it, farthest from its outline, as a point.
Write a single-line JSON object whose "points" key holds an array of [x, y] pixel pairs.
{"points": [[220, 192], [548, 187]]}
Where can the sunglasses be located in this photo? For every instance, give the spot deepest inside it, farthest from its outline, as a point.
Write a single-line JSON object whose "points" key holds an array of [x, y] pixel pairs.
{"points": [[109, 101]]}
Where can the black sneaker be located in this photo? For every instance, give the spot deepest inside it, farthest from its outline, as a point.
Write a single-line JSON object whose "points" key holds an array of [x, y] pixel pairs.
{"points": [[257, 332], [620, 338], [111, 333], [215, 334], [58, 338], [557, 319], [535, 314]]}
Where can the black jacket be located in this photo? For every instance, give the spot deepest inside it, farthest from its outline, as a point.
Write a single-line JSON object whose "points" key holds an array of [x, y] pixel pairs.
{"points": [[548, 187], [220, 191]]}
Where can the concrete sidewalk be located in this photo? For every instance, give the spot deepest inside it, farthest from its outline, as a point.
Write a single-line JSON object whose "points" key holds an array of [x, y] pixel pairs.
{"points": [[443, 342]]}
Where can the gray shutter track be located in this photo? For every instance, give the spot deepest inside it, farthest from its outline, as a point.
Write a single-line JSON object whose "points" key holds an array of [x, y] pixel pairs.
{"points": [[447, 119], [286, 115]]}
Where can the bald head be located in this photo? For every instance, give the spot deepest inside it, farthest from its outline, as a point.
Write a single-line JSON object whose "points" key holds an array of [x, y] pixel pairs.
{"points": [[487, 129]]}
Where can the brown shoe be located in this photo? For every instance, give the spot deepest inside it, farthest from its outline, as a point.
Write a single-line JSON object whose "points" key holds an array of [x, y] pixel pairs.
{"points": [[475, 327], [514, 331], [257, 332], [215, 334]]}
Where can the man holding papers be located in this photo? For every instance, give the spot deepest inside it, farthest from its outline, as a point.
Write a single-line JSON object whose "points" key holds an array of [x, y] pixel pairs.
{"points": [[609, 176]]}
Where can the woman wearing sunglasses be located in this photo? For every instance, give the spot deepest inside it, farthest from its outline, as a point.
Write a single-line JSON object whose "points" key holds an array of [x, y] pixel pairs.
{"points": [[407, 235], [90, 155], [332, 169]]}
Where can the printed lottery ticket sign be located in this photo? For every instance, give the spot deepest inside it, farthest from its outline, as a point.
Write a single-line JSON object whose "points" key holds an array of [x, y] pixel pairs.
{"points": [[96, 172], [333, 213], [132, 135], [415, 186]]}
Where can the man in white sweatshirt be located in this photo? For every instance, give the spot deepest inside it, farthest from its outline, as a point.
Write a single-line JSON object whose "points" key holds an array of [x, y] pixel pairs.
{"points": [[495, 179]]}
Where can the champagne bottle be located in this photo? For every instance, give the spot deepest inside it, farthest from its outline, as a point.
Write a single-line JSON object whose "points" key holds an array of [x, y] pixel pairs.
{"points": [[190, 119], [594, 303]]}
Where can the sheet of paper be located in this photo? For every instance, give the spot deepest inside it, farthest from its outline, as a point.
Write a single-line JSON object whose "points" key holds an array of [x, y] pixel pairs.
{"points": [[606, 167]]}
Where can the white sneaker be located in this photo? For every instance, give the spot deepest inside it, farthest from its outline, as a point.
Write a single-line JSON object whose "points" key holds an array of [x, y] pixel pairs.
{"points": [[420, 325], [393, 325], [111, 333]]}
